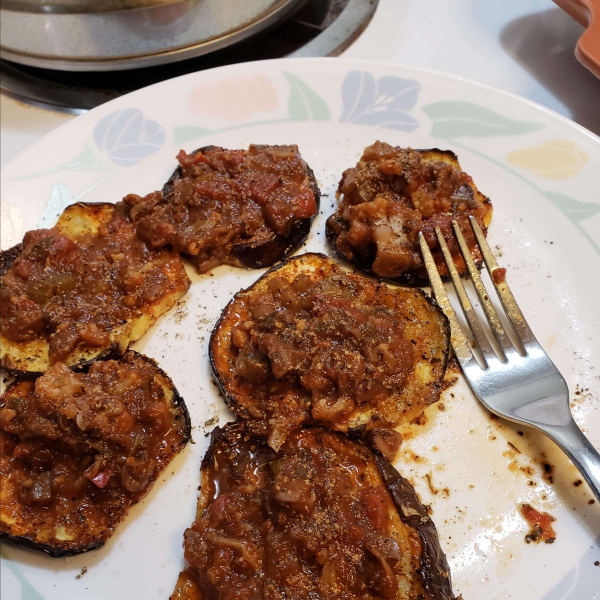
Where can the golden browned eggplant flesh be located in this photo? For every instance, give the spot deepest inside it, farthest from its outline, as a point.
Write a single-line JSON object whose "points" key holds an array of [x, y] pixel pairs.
{"points": [[309, 343], [82, 290], [391, 195], [324, 518], [248, 208], [77, 450]]}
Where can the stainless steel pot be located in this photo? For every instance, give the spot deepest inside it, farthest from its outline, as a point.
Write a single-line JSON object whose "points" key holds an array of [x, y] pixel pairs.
{"points": [[103, 35], [79, 6]]}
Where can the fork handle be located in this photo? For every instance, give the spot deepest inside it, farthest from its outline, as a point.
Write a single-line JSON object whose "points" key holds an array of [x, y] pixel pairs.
{"points": [[581, 452]]}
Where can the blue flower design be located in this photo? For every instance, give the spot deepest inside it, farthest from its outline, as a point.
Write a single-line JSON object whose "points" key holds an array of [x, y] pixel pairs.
{"points": [[380, 103], [128, 137]]}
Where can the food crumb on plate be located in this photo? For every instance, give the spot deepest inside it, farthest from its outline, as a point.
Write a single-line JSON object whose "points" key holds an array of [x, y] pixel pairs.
{"points": [[541, 525]]}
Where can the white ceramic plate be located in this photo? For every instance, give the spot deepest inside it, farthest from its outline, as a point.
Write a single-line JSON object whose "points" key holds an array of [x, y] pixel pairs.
{"points": [[541, 172]]}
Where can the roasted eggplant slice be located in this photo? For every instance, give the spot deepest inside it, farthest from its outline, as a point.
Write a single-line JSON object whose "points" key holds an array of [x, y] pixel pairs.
{"points": [[77, 450], [324, 518], [82, 290], [247, 208], [309, 343], [391, 195]]}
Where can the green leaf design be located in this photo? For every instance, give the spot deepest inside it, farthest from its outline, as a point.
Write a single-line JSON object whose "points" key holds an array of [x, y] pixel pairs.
{"points": [[60, 198], [574, 209], [452, 119], [86, 160], [28, 592], [305, 104], [185, 133]]}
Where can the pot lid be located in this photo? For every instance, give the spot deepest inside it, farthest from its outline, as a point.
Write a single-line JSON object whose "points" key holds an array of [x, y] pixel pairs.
{"points": [[129, 39], [79, 6]]}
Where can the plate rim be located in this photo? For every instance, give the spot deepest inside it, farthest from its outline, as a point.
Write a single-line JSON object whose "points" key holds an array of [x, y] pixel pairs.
{"points": [[322, 60]]}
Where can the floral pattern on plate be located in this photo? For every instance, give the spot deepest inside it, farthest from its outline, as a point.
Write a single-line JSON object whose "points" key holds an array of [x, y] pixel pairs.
{"points": [[557, 159], [128, 137], [382, 102]]}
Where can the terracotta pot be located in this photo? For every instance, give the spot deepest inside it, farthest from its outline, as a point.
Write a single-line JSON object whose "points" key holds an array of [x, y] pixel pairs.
{"points": [[587, 12]]}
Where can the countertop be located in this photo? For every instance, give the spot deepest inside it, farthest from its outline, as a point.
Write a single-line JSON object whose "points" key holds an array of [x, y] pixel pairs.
{"points": [[521, 46]]}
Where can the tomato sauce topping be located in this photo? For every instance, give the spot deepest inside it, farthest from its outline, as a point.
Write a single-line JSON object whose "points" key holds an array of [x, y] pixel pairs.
{"points": [[313, 521], [73, 292], [77, 449], [317, 350], [222, 203], [389, 197]]}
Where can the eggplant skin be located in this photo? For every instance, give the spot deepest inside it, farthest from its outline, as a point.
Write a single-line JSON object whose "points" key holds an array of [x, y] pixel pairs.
{"points": [[118, 511], [266, 251], [29, 359], [48, 549], [425, 312], [413, 277], [8, 257], [408, 278], [433, 570]]}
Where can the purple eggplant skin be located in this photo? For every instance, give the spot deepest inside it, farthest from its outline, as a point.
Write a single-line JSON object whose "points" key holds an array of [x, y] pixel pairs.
{"points": [[182, 421], [434, 571], [268, 250]]}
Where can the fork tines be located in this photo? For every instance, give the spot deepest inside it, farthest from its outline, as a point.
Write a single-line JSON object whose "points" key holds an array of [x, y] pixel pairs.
{"points": [[497, 274]]}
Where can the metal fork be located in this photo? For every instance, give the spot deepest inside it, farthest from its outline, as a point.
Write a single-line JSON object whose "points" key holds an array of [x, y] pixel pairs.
{"points": [[519, 384]]}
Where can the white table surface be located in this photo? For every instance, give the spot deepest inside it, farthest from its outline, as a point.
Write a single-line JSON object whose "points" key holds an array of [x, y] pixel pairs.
{"points": [[521, 46]]}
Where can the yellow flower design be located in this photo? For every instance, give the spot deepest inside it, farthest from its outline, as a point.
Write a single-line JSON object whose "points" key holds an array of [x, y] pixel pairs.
{"points": [[558, 159], [222, 98], [11, 225]]}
